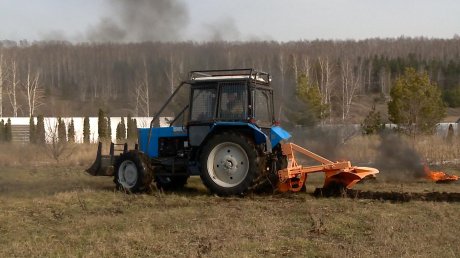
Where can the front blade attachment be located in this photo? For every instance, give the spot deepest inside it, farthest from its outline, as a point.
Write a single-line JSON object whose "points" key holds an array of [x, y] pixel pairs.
{"points": [[103, 165]]}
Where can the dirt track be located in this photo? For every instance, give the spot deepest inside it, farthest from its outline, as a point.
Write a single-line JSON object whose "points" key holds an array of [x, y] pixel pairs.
{"points": [[391, 196]]}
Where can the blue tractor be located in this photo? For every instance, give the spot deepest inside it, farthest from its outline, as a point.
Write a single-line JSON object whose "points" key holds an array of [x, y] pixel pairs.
{"points": [[228, 136]]}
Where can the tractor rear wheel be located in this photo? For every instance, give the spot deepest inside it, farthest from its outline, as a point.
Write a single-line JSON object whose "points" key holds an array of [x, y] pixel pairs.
{"points": [[229, 164], [132, 173]]}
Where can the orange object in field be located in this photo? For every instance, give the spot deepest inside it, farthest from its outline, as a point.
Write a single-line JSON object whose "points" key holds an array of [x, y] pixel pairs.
{"points": [[340, 173], [439, 176]]}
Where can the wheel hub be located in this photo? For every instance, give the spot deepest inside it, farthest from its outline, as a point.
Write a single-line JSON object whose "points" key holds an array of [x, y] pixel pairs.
{"points": [[230, 164], [127, 174]]}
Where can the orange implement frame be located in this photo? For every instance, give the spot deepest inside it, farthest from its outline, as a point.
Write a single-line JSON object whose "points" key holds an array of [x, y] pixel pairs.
{"points": [[293, 177]]}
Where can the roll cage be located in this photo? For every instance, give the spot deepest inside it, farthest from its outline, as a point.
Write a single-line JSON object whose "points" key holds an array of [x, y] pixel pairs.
{"points": [[212, 93]]}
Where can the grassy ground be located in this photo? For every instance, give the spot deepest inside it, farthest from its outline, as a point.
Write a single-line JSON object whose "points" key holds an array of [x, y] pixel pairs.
{"points": [[61, 211]]}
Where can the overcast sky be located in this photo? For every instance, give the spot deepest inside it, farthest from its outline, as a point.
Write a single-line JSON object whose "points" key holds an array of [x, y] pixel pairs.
{"points": [[202, 20]]}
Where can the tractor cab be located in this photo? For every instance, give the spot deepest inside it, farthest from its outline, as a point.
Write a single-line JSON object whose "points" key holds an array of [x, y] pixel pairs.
{"points": [[220, 99], [231, 96]]}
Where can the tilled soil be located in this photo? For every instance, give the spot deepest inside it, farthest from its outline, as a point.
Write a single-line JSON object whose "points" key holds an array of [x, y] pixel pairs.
{"points": [[389, 196]]}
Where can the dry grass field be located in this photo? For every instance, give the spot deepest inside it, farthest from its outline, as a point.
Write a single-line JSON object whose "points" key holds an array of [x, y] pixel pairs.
{"points": [[51, 210]]}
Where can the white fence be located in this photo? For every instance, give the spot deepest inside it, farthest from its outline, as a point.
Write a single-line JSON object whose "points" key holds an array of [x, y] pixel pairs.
{"points": [[50, 122]]}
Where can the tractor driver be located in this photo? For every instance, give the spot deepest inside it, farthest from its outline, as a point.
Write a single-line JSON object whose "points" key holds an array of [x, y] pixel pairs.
{"points": [[234, 106]]}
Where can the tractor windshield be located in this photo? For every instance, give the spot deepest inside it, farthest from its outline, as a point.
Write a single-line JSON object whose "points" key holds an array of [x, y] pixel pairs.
{"points": [[262, 106], [233, 101], [203, 104]]}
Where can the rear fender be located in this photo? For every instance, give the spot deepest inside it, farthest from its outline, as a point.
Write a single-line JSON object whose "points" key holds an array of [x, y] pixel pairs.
{"points": [[200, 133], [278, 134], [257, 135]]}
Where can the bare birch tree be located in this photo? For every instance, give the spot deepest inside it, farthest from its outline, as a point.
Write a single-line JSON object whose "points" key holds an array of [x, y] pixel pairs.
{"points": [[34, 93], [351, 81], [174, 70], [142, 93], [385, 81], [295, 67], [369, 78], [2, 78], [325, 82], [171, 74], [13, 88], [306, 66], [282, 68]]}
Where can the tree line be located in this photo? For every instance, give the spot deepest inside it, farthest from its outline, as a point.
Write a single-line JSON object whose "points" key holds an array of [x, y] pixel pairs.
{"points": [[62, 133], [415, 105], [123, 131], [5, 131], [64, 79]]}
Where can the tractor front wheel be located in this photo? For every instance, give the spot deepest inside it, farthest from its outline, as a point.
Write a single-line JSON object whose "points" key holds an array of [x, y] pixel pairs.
{"points": [[229, 164], [132, 173]]}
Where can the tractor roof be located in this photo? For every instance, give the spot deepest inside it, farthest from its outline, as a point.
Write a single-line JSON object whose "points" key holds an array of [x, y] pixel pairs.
{"points": [[233, 74]]}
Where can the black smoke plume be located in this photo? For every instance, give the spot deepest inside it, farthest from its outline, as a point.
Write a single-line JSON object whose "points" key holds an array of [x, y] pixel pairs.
{"points": [[397, 159], [141, 20]]}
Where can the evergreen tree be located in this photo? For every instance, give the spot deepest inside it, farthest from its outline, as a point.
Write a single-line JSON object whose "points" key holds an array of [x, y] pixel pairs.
{"points": [[2, 131], [121, 130], [40, 130], [109, 128], [102, 126], [32, 130], [416, 105], [8, 132], [86, 130], [307, 108], [62, 131], [452, 97], [118, 132], [71, 132], [135, 129], [372, 123], [130, 129]]}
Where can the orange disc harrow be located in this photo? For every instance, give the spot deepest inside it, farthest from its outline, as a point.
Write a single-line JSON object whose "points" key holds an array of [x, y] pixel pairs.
{"points": [[342, 173]]}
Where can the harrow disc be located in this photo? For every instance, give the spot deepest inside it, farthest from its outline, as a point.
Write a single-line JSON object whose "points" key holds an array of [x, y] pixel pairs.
{"points": [[347, 178]]}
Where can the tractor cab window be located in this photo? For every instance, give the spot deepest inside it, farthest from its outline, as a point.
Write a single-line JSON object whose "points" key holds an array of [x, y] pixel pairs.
{"points": [[203, 104], [233, 101], [262, 107]]}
